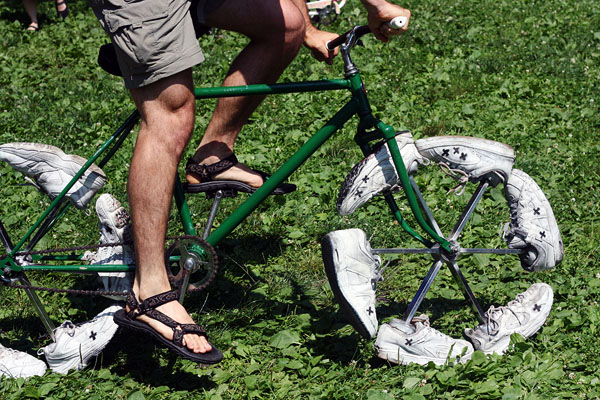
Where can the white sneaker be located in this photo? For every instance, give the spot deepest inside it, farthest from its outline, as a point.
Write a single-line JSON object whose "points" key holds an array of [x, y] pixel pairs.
{"points": [[76, 344], [533, 226], [524, 315], [402, 343], [52, 170], [18, 364], [476, 158], [352, 270], [113, 220], [376, 173]]}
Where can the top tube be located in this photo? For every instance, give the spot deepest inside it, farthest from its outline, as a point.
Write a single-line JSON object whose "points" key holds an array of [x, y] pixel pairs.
{"points": [[275, 88]]}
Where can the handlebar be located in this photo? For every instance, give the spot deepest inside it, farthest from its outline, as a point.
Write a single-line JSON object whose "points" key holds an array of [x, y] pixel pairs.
{"points": [[396, 23], [340, 40]]}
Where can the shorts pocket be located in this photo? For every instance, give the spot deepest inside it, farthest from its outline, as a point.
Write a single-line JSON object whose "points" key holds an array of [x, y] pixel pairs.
{"points": [[135, 13], [133, 28]]}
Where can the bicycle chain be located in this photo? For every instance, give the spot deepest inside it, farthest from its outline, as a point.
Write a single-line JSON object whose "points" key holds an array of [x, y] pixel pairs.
{"points": [[81, 292]]}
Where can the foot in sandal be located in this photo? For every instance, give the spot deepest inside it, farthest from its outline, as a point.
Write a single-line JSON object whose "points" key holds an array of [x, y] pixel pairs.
{"points": [[181, 335]]}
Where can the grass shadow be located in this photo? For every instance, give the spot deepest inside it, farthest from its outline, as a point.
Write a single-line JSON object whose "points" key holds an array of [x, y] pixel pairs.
{"points": [[148, 363]]}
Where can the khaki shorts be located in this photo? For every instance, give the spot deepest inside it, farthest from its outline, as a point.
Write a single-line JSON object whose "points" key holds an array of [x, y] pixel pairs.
{"points": [[153, 39]]}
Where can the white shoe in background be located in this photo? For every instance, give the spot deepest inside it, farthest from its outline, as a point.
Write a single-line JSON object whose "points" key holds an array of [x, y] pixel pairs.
{"points": [[18, 364], [115, 227], [402, 343], [52, 170], [76, 344]]}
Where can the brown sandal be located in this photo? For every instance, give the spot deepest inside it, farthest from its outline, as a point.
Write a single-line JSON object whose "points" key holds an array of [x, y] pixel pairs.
{"points": [[148, 307], [206, 173]]}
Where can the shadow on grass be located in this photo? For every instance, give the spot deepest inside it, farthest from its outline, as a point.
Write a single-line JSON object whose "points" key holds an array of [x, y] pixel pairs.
{"points": [[148, 363]]}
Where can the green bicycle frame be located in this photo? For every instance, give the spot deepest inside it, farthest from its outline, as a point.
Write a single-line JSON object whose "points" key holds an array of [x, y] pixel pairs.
{"points": [[357, 105]]}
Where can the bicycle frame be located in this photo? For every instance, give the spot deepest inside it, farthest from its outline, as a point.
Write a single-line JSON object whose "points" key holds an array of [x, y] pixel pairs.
{"points": [[369, 129]]}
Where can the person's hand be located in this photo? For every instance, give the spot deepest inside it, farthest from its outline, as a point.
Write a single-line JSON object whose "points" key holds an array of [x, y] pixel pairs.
{"points": [[316, 41], [380, 12]]}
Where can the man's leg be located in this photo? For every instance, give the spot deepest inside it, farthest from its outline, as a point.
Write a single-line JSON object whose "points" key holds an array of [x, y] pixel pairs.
{"points": [[167, 111], [276, 32]]}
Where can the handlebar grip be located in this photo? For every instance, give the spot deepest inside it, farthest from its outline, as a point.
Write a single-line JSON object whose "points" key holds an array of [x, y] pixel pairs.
{"points": [[398, 22]]}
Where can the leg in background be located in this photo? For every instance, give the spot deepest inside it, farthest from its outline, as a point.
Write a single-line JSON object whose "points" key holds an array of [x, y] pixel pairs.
{"points": [[31, 10]]}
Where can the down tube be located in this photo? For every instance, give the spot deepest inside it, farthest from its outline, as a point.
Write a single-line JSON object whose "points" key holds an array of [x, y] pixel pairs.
{"points": [[297, 159]]}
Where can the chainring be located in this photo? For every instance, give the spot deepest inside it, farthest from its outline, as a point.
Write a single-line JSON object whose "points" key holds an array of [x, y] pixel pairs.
{"points": [[191, 255]]}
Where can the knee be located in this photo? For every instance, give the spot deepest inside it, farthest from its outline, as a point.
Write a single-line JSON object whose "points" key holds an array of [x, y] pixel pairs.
{"points": [[172, 124], [282, 26], [295, 27], [181, 126]]}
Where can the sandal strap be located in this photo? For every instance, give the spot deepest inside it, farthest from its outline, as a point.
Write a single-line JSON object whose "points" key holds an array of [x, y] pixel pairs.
{"points": [[157, 300], [206, 172], [132, 304], [148, 308], [186, 329]]}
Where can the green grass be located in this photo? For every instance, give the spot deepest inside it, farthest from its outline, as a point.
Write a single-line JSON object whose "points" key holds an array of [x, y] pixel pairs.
{"points": [[522, 73]]}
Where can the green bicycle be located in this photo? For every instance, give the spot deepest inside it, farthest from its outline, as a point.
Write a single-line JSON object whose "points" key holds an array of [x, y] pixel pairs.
{"points": [[192, 261]]}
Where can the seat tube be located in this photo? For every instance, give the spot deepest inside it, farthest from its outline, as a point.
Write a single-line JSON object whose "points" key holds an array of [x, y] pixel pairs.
{"points": [[183, 208]]}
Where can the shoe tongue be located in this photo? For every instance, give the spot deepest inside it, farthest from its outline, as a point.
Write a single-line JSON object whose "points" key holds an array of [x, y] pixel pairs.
{"points": [[402, 326]]}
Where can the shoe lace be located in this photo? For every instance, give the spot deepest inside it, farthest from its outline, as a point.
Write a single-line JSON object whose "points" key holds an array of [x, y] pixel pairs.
{"points": [[457, 174], [513, 228], [122, 218], [424, 321], [69, 328], [493, 313], [517, 301], [378, 276]]}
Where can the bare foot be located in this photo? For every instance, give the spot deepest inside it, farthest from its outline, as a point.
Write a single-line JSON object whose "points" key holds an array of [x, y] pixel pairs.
{"points": [[176, 311]]}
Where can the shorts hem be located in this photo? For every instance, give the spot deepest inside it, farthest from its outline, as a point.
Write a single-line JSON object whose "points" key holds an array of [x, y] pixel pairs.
{"points": [[169, 69]]}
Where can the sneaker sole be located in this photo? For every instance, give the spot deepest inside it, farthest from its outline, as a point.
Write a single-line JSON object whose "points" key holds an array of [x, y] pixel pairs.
{"points": [[427, 146], [359, 170], [57, 159], [348, 310], [557, 245]]}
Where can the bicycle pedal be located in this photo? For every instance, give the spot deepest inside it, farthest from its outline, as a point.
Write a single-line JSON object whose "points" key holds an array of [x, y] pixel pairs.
{"points": [[222, 193]]}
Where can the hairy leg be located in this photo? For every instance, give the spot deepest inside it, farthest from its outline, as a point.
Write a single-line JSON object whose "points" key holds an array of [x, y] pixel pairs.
{"points": [[276, 32], [167, 110]]}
